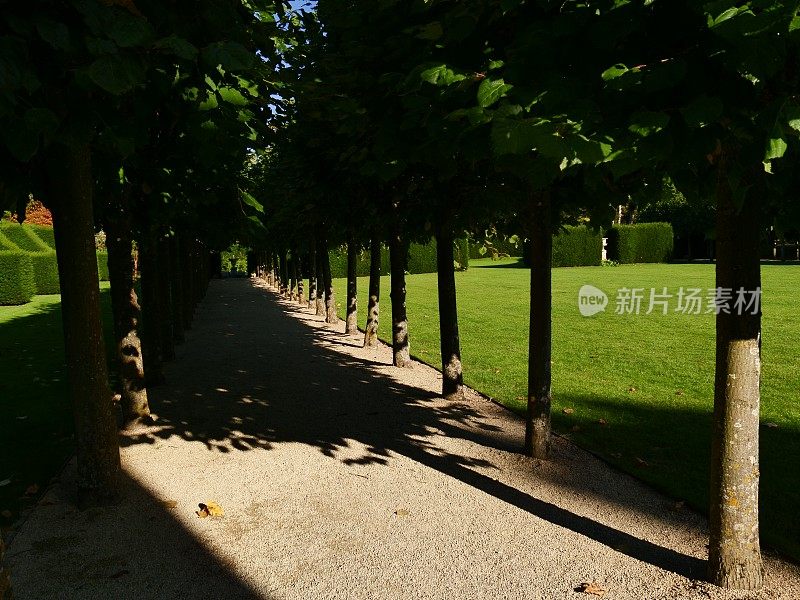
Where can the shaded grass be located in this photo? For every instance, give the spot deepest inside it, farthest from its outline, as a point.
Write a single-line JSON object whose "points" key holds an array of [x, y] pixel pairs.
{"points": [[36, 428], [648, 377]]}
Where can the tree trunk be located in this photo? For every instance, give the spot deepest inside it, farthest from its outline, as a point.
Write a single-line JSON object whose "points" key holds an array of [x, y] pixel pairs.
{"points": [[125, 306], [176, 290], [312, 278], [734, 549], [398, 256], [351, 322], [301, 294], [151, 318], [537, 424], [320, 283], [165, 333], [330, 298], [5, 576], [373, 309], [450, 344], [187, 304], [70, 184]]}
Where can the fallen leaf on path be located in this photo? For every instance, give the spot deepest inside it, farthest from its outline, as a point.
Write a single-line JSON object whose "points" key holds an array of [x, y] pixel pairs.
{"points": [[32, 489], [402, 512], [170, 503], [520, 398], [568, 411], [602, 422], [631, 389], [209, 509], [772, 425], [594, 588], [679, 393], [641, 462]]}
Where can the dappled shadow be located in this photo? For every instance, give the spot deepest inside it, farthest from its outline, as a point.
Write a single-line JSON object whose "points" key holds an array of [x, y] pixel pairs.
{"points": [[260, 379]]}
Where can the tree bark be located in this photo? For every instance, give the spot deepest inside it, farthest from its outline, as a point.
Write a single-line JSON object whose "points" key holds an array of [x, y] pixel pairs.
{"points": [[351, 321], [320, 282], [330, 298], [450, 344], [312, 278], [176, 290], [398, 257], [373, 308], [301, 294], [151, 317], [166, 335], [125, 306], [70, 183], [537, 424], [734, 549], [187, 304]]}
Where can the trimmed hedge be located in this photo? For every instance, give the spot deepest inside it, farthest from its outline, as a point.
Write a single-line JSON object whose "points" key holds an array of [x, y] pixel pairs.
{"points": [[498, 245], [17, 285], [577, 247], [45, 234], [421, 259], [23, 237], [640, 243], [102, 264], [45, 272]]}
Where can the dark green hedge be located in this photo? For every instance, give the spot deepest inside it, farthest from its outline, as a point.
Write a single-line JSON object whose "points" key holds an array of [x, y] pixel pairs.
{"points": [[45, 272], [421, 259], [640, 243], [102, 264], [577, 247], [17, 285]]}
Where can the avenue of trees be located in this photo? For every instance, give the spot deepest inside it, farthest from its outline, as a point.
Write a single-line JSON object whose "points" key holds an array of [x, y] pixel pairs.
{"points": [[384, 123]]}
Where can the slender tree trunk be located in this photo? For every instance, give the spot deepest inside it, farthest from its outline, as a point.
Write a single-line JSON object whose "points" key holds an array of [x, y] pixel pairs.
{"points": [[151, 318], [320, 283], [734, 548], [312, 278], [373, 309], [398, 257], [176, 290], [285, 284], [537, 424], [70, 180], [187, 304], [351, 322], [330, 298], [125, 306], [450, 344], [5, 577], [165, 300], [301, 294], [293, 279]]}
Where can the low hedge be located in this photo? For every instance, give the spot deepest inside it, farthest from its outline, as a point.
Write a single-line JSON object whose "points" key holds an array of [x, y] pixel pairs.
{"points": [[45, 272], [45, 234], [102, 264], [421, 259], [24, 237], [577, 247], [640, 243], [17, 284]]}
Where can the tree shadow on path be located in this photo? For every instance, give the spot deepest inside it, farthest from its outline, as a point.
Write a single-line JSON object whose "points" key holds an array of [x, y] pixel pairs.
{"points": [[251, 377]]}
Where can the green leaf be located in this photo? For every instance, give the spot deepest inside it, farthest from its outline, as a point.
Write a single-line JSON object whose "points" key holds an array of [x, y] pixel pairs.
{"points": [[128, 30], [232, 56], [792, 115], [232, 96], [776, 146], [491, 90], [116, 74], [645, 122], [702, 111], [613, 72], [441, 75], [431, 31], [178, 46], [248, 199]]}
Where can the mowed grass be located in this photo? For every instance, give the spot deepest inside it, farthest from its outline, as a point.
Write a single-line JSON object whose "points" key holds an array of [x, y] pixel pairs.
{"points": [[36, 427], [640, 386]]}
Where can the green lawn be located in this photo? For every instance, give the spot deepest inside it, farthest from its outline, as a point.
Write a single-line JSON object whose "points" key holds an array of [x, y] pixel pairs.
{"points": [[649, 377], [36, 428]]}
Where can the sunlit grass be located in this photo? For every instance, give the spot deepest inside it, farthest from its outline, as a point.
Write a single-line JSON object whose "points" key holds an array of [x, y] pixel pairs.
{"points": [[648, 377]]}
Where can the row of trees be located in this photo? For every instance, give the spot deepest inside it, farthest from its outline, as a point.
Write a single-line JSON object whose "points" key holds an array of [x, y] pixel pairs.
{"points": [[406, 120]]}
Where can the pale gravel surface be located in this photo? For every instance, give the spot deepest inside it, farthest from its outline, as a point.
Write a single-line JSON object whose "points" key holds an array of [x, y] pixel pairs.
{"points": [[343, 477]]}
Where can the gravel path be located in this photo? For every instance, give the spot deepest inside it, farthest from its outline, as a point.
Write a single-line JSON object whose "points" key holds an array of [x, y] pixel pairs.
{"points": [[343, 477]]}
